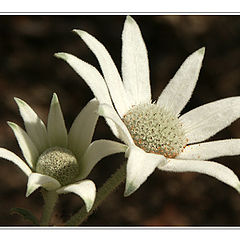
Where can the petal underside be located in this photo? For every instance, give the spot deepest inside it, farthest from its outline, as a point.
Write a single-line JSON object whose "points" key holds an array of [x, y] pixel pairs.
{"points": [[179, 90], [97, 151], [57, 132], [85, 189], [110, 72], [210, 168], [209, 150], [37, 180], [35, 127], [12, 157], [135, 67], [139, 166], [203, 122]]}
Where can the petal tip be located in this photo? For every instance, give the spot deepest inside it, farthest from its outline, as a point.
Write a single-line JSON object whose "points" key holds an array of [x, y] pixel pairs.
{"points": [[202, 50], [89, 203], [130, 19], [60, 55], [130, 188]]}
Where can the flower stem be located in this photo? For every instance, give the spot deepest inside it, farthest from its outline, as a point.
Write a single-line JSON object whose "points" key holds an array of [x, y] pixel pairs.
{"points": [[50, 198], [110, 185]]}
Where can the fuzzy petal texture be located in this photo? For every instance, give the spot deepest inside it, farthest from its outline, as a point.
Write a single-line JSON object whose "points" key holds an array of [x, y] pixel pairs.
{"points": [[135, 67], [85, 189], [97, 151], [213, 169], [203, 122], [209, 150], [34, 125], [139, 166], [81, 132], [12, 157], [28, 148], [179, 90], [37, 180], [57, 132], [110, 72], [108, 112]]}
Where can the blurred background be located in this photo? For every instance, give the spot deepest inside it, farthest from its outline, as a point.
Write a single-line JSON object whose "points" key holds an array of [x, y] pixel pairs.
{"points": [[29, 70]]}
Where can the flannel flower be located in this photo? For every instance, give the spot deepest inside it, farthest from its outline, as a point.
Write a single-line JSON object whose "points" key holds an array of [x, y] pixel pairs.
{"points": [[156, 134], [57, 160]]}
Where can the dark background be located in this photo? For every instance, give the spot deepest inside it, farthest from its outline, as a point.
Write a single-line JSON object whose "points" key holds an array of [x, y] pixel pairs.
{"points": [[29, 71]]}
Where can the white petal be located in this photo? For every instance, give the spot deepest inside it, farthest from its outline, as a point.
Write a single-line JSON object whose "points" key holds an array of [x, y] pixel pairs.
{"points": [[209, 150], [34, 125], [90, 75], [37, 180], [28, 148], [85, 189], [57, 132], [97, 151], [203, 122], [139, 166], [110, 72], [108, 111], [213, 169], [12, 157], [179, 90], [135, 67], [81, 132]]}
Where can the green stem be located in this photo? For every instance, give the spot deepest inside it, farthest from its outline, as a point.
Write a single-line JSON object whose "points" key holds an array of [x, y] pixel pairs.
{"points": [[111, 184], [50, 198]]}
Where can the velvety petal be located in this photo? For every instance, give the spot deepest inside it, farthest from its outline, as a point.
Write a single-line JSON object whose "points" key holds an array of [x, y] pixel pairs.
{"points": [[28, 148], [203, 122], [57, 132], [37, 180], [139, 166], [81, 132], [213, 169], [97, 151], [209, 150], [135, 67], [12, 157], [179, 90], [110, 72], [108, 112], [85, 189], [34, 126]]}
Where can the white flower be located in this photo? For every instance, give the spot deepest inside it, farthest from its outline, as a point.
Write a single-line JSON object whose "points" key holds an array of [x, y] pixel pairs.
{"points": [[57, 160], [156, 134]]}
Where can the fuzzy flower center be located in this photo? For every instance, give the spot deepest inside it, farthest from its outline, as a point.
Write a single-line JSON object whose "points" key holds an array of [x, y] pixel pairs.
{"points": [[59, 163], [155, 130]]}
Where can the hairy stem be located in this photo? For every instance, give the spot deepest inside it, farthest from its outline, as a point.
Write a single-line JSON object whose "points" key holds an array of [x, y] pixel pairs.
{"points": [[50, 198], [110, 185]]}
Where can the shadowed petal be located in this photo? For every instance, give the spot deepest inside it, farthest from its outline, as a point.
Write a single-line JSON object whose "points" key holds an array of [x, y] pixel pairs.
{"points": [[28, 148], [209, 150], [110, 72], [57, 132], [81, 132], [139, 166], [179, 90], [97, 151], [213, 169], [135, 68], [85, 189], [12, 157], [37, 180], [203, 122], [34, 126]]}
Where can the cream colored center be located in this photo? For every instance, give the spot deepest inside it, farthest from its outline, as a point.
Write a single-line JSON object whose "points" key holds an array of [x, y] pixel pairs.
{"points": [[155, 130]]}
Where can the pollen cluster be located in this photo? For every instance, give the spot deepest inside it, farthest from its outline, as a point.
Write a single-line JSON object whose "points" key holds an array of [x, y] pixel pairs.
{"points": [[155, 130], [59, 163]]}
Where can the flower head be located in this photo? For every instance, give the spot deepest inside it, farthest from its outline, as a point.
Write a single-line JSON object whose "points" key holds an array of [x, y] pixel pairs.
{"points": [[156, 134], [57, 160]]}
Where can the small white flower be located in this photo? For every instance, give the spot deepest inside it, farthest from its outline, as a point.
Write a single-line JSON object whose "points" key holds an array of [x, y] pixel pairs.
{"points": [[57, 160], [156, 134]]}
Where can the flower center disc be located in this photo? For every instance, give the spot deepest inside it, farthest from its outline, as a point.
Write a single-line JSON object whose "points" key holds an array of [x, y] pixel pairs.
{"points": [[155, 130], [59, 163]]}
